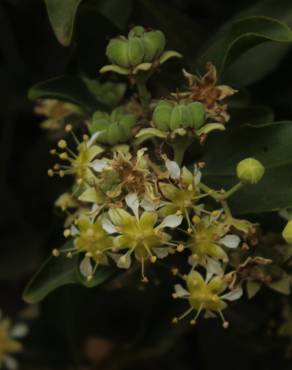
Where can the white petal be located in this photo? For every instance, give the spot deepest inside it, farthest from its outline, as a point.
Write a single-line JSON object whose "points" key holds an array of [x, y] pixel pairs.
{"points": [[115, 256], [124, 261], [86, 267], [148, 205], [209, 276], [99, 164], [173, 169], [73, 230], [233, 295], [197, 175], [230, 241], [209, 315], [171, 221], [108, 226], [214, 267], [161, 252], [180, 291], [133, 203], [19, 331], [93, 138], [10, 363]]}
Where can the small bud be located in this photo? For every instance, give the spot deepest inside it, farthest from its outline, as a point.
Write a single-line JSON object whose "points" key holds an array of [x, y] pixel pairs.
{"points": [[153, 259], [196, 220], [56, 252], [68, 128], [50, 172], [67, 233], [287, 232], [250, 171]]}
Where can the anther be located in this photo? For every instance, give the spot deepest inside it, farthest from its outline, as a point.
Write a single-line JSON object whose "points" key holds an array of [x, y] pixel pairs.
{"points": [[62, 144], [180, 248]]}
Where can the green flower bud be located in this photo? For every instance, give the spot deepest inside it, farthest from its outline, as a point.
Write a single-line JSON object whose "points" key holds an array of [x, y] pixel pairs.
{"points": [[117, 52], [250, 171], [135, 51], [154, 44], [161, 115], [287, 232], [197, 111]]}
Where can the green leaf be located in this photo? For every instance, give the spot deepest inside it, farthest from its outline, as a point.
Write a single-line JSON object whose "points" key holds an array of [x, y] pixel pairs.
{"points": [[252, 288], [66, 88], [55, 272], [282, 285], [270, 144], [59, 271], [62, 16], [241, 36], [117, 11]]}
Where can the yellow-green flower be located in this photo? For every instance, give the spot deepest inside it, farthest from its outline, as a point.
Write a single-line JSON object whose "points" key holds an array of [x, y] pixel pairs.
{"points": [[181, 195], [207, 240], [205, 295], [81, 164], [141, 235], [92, 240], [9, 344]]}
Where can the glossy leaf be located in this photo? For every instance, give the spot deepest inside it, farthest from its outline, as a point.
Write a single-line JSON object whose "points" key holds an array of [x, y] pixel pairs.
{"points": [[62, 17], [66, 88], [55, 272], [59, 271], [243, 35], [270, 144]]}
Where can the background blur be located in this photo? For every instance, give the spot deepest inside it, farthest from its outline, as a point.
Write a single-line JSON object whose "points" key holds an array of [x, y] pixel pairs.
{"points": [[99, 328]]}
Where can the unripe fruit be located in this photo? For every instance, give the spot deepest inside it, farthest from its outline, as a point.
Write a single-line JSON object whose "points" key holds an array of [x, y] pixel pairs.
{"points": [[115, 128], [161, 115], [175, 118], [154, 44], [287, 232], [117, 52], [113, 134], [250, 171], [197, 111], [137, 31], [135, 51]]}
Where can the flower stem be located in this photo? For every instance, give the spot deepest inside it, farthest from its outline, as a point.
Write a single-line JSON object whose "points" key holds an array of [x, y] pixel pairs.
{"points": [[144, 95]]}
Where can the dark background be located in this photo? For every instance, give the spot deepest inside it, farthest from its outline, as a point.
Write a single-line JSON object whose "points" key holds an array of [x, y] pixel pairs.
{"points": [[129, 325]]}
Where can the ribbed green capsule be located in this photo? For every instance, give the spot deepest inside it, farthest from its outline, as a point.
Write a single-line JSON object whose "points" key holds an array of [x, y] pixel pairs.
{"points": [[154, 44], [161, 115], [117, 52], [197, 111], [137, 31], [135, 51], [114, 128]]}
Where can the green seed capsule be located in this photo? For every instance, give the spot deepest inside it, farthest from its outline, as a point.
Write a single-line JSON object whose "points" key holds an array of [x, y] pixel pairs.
{"points": [[161, 115], [135, 51], [186, 119], [154, 44], [113, 134], [117, 52], [198, 114], [128, 121], [137, 31], [175, 119], [250, 171]]}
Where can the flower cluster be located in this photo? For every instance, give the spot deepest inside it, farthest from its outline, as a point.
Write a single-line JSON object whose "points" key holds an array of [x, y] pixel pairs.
{"points": [[134, 199], [9, 343]]}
